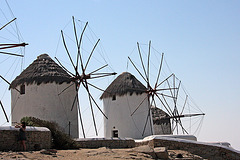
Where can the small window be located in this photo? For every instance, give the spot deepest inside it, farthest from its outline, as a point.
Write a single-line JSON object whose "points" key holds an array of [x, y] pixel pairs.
{"points": [[115, 133], [114, 97], [22, 89]]}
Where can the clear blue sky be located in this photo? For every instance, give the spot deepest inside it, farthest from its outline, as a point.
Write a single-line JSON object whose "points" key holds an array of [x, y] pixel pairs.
{"points": [[200, 39]]}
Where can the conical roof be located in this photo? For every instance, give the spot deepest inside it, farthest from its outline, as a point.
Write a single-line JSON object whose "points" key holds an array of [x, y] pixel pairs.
{"points": [[159, 116], [42, 70], [123, 84]]}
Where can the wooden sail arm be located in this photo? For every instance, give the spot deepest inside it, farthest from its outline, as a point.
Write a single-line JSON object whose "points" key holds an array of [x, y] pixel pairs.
{"points": [[163, 89], [8, 83], [12, 54], [184, 115], [4, 111], [103, 75], [99, 69], [138, 70], [6, 46], [8, 23]]}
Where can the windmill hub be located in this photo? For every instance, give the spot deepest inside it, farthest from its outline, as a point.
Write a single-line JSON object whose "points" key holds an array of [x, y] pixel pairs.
{"points": [[84, 76], [81, 77], [151, 91]]}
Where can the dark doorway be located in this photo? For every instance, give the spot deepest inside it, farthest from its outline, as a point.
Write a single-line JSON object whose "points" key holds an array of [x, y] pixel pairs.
{"points": [[115, 133]]}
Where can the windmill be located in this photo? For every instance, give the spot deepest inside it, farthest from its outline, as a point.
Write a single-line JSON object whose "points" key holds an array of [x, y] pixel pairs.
{"points": [[7, 48], [82, 77], [163, 92]]}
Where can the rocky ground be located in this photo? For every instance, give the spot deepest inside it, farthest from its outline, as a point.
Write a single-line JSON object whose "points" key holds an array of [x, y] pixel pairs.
{"points": [[143, 152]]}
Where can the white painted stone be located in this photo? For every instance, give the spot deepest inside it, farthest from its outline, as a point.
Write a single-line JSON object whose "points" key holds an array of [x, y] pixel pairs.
{"points": [[28, 128], [43, 102], [119, 116]]}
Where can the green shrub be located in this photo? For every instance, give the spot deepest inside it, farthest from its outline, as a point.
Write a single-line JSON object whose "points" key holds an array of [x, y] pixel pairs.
{"points": [[60, 140]]}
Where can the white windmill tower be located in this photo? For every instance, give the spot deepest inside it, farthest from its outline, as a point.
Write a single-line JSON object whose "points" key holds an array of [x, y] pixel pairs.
{"points": [[120, 100], [35, 93]]}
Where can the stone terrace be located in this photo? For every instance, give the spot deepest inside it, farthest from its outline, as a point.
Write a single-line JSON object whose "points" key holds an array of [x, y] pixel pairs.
{"points": [[205, 150]]}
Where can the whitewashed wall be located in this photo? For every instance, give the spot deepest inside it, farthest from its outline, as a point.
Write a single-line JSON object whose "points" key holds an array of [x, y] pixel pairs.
{"points": [[43, 102], [119, 116]]}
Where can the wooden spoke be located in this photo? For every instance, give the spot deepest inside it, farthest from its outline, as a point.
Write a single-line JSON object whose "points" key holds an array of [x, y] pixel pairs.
{"points": [[103, 73], [167, 105], [137, 70], [65, 88], [184, 104], [178, 121], [148, 117], [75, 31], [12, 54], [140, 55], [99, 69], [74, 100], [91, 53], [4, 111], [76, 96], [149, 113], [65, 45], [109, 74], [184, 115], [64, 67], [79, 45], [183, 129], [171, 90], [165, 80], [159, 71], [7, 46], [8, 23], [96, 87], [80, 116], [148, 68], [96, 103], [164, 89], [165, 95], [90, 102], [139, 105], [163, 104], [174, 126], [176, 113], [9, 83], [176, 96]]}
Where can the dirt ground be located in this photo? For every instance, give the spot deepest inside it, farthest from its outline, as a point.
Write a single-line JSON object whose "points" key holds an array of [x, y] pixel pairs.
{"points": [[93, 154]]}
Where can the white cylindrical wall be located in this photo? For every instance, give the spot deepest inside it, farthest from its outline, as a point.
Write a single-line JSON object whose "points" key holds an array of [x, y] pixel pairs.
{"points": [[43, 102], [119, 116]]}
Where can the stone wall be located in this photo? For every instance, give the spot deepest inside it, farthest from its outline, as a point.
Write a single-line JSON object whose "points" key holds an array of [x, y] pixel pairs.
{"points": [[205, 150], [162, 128], [106, 142], [37, 138]]}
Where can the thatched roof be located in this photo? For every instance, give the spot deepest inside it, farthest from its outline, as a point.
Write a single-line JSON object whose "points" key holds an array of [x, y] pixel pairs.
{"points": [[159, 116], [123, 84], [42, 70]]}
